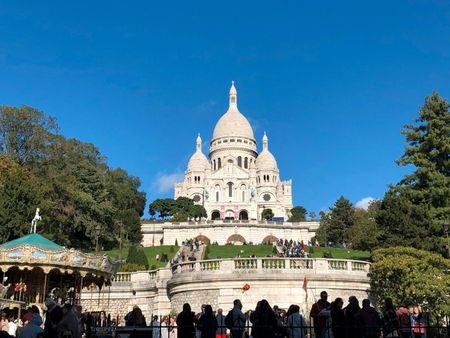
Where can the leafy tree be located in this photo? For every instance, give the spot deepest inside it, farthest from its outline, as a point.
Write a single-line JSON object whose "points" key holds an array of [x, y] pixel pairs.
{"points": [[19, 197], [365, 234], [162, 207], [312, 216], [198, 212], [413, 211], [334, 225], [267, 214], [412, 277], [25, 133], [136, 255], [179, 217], [298, 214]]}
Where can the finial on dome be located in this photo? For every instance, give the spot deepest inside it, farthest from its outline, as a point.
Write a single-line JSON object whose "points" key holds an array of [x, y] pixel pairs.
{"points": [[265, 140], [233, 95], [199, 142]]}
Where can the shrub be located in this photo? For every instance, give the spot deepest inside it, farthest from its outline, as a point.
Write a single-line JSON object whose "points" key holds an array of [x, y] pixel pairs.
{"points": [[153, 267], [137, 256], [176, 242], [327, 254], [172, 249], [131, 267]]}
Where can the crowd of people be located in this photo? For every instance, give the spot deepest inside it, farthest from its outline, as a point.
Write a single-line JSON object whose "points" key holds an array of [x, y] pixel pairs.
{"points": [[326, 320], [291, 248]]}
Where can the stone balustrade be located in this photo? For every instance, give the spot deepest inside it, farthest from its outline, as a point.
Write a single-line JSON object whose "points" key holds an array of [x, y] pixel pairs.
{"points": [[316, 265]]}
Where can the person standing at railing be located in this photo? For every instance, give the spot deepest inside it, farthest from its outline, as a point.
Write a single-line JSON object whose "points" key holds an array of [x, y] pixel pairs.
{"points": [[265, 323], [208, 323], [221, 331], [156, 327], [296, 324], [338, 318], [350, 311], [390, 321], [368, 321], [185, 322], [319, 322], [238, 320]]}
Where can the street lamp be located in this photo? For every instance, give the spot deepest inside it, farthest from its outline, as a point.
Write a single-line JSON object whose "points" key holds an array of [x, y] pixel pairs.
{"points": [[98, 229], [446, 231]]}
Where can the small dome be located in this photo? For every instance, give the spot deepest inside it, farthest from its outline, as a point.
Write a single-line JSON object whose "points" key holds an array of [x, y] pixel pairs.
{"points": [[265, 159], [198, 161], [233, 123]]}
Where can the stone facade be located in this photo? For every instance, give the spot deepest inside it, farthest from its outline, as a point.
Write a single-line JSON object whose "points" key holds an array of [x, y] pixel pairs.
{"points": [[224, 231], [236, 182]]}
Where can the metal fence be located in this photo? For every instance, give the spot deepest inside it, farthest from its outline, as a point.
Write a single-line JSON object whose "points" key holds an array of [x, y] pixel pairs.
{"points": [[428, 331]]}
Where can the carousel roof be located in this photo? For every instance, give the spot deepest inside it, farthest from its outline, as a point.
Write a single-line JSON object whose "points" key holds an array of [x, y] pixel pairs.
{"points": [[35, 240], [34, 250]]}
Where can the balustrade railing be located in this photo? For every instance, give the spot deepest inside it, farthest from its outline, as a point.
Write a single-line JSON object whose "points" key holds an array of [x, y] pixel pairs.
{"points": [[121, 277], [319, 265]]}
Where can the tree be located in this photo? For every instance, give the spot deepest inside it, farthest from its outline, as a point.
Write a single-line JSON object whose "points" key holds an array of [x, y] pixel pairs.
{"points": [[19, 198], [412, 277], [420, 203], [334, 225], [25, 133], [298, 214], [267, 214], [198, 212], [365, 234], [136, 255]]}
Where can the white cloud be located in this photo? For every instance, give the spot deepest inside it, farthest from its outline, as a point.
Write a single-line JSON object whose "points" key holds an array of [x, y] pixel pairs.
{"points": [[165, 182], [364, 202]]}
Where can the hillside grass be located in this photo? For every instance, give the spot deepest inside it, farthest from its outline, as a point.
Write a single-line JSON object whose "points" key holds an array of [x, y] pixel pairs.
{"points": [[150, 252], [231, 251]]}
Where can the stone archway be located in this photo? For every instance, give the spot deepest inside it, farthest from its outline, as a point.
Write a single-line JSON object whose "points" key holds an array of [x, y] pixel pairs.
{"points": [[236, 239], [203, 239], [269, 240], [215, 215], [243, 215]]}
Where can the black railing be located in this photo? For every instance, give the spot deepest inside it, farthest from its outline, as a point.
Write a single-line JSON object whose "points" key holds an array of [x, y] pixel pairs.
{"points": [[163, 331]]}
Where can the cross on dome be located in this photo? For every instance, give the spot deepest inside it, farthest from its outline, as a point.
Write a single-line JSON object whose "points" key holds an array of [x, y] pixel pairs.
{"points": [[265, 140]]}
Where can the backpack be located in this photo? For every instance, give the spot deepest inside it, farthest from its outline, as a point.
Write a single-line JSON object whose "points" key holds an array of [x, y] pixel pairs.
{"points": [[229, 320]]}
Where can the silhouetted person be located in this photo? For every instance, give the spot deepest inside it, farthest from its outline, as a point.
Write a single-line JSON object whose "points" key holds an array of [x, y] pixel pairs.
{"points": [[264, 321], [338, 318], [349, 312], [319, 322], [185, 322], [208, 323]]}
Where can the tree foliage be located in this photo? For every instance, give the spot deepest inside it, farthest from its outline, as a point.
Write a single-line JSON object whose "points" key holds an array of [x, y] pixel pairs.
{"points": [[180, 210], [267, 214], [298, 214], [365, 234], [67, 179], [413, 211], [335, 225], [411, 277]]}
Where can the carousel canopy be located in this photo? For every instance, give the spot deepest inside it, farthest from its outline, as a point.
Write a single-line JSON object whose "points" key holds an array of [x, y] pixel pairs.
{"points": [[34, 240], [34, 250]]}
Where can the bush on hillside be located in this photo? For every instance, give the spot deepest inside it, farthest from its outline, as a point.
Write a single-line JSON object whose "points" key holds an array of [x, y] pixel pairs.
{"points": [[137, 256], [131, 267]]}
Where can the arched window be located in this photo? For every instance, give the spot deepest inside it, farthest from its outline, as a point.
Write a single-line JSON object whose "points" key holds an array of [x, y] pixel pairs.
{"points": [[246, 163], [243, 196], [230, 189], [240, 161], [217, 196], [214, 165], [219, 163]]}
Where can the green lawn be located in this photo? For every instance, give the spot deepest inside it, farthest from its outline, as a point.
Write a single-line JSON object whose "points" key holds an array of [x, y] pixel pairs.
{"points": [[341, 253], [230, 251], [150, 252]]}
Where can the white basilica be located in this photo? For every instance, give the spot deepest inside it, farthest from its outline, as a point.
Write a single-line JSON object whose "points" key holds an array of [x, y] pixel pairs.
{"points": [[236, 182]]}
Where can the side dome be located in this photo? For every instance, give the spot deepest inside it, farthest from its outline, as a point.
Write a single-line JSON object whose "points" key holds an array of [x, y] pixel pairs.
{"points": [[265, 159], [233, 123], [198, 161]]}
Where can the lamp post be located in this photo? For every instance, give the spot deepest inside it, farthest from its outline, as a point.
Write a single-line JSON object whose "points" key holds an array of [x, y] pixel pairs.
{"points": [[98, 229], [446, 231]]}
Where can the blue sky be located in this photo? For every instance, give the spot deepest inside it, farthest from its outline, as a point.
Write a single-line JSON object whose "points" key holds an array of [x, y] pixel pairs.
{"points": [[332, 82]]}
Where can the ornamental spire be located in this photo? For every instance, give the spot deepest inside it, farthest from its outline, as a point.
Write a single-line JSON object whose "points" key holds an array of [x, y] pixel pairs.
{"points": [[265, 140], [233, 95], [199, 143]]}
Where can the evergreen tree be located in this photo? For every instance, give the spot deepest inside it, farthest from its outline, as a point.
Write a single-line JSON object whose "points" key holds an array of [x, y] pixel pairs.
{"points": [[298, 214], [334, 225], [414, 210]]}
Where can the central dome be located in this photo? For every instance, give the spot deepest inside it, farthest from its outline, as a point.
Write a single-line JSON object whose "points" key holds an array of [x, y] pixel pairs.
{"points": [[233, 123]]}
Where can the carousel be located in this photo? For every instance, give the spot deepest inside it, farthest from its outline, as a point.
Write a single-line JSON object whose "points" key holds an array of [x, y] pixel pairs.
{"points": [[33, 268]]}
